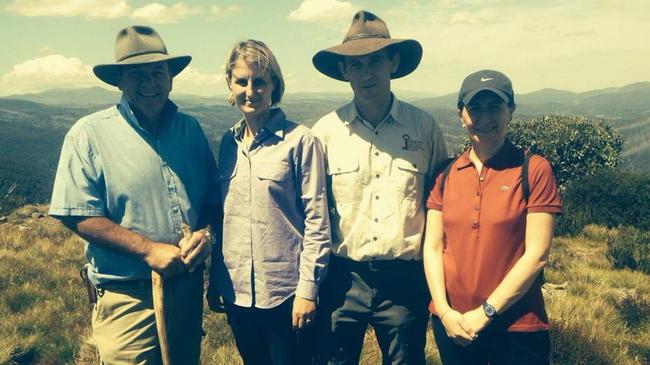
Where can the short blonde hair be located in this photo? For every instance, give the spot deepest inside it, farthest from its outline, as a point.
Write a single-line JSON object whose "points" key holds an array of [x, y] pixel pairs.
{"points": [[256, 52]]}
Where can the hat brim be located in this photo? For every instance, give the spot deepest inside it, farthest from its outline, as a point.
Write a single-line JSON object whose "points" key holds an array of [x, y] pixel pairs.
{"points": [[110, 73], [472, 94], [326, 61]]}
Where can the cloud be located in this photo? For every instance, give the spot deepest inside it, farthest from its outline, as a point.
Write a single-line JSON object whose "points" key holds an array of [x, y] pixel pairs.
{"points": [[463, 17], [91, 9], [56, 71], [323, 11], [558, 44], [192, 81], [44, 73], [216, 11], [156, 13], [153, 13]]}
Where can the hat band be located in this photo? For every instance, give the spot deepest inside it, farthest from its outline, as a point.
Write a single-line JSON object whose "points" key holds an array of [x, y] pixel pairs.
{"points": [[138, 53], [364, 36]]}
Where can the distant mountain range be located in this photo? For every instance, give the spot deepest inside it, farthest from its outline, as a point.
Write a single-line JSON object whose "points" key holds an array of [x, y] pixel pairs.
{"points": [[630, 101], [32, 126], [627, 101]]}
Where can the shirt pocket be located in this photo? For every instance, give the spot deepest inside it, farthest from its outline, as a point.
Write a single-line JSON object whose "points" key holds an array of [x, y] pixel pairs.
{"points": [[343, 170], [274, 184], [407, 176]]}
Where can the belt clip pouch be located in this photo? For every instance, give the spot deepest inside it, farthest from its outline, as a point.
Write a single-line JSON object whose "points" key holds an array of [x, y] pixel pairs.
{"points": [[90, 288]]}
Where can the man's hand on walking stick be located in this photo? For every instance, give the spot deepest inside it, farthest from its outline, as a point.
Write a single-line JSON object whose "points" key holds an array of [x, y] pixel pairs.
{"points": [[195, 247]]}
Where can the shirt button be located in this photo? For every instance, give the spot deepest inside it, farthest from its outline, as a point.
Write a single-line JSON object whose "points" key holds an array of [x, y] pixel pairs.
{"points": [[377, 176], [474, 222], [376, 197], [376, 133], [376, 220], [175, 209], [478, 193], [481, 178], [376, 153], [374, 238], [476, 207]]}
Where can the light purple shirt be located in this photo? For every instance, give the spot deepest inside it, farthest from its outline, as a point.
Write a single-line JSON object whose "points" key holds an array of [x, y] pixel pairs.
{"points": [[276, 232]]}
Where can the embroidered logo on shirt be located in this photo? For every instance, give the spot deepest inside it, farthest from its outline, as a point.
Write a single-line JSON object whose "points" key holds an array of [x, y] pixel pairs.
{"points": [[504, 188], [411, 144]]}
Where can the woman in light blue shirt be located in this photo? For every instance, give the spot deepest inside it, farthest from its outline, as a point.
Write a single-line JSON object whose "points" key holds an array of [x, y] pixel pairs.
{"points": [[276, 233]]}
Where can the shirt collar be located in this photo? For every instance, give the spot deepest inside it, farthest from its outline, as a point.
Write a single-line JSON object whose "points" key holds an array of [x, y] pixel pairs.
{"points": [[168, 113], [463, 160], [508, 155], [353, 113], [275, 125]]}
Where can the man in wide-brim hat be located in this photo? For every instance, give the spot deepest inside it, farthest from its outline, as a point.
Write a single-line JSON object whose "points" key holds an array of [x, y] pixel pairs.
{"points": [[380, 153], [128, 178]]}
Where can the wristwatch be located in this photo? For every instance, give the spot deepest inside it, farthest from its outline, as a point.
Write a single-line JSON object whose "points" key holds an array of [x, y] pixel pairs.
{"points": [[209, 235], [489, 310]]}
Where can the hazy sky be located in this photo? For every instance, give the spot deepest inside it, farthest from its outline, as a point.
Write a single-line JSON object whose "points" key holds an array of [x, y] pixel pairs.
{"points": [[575, 45]]}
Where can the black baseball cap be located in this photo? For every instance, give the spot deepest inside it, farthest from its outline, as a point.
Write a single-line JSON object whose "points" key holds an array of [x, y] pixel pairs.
{"points": [[489, 80]]}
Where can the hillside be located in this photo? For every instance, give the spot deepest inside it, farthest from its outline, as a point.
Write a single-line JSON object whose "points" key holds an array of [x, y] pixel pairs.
{"points": [[598, 315], [32, 126]]}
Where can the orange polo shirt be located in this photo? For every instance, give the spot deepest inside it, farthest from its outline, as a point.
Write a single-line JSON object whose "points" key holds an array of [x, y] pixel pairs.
{"points": [[484, 219]]}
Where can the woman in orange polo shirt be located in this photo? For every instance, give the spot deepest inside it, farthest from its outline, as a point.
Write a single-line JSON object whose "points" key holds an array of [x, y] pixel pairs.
{"points": [[487, 241]]}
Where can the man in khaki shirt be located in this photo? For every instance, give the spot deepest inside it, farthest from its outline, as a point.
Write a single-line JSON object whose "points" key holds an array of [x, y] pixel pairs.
{"points": [[380, 154]]}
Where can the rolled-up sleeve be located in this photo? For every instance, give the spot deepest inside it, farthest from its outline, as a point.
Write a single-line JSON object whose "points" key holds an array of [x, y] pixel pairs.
{"points": [[317, 240], [78, 183]]}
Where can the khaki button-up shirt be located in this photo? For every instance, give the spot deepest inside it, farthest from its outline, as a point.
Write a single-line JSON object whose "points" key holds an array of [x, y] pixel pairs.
{"points": [[377, 178]]}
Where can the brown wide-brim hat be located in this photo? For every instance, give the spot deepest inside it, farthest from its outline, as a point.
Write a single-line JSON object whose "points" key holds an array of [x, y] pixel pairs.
{"points": [[139, 45], [368, 34]]}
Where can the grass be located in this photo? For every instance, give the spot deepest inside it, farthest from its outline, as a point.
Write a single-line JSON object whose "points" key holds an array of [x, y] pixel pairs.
{"points": [[598, 315]]}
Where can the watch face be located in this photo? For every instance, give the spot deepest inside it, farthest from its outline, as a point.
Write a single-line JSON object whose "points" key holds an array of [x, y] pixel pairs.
{"points": [[489, 310]]}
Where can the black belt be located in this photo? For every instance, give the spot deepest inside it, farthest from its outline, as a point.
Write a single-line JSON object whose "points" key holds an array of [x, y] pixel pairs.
{"points": [[375, 265], [119, 285]]}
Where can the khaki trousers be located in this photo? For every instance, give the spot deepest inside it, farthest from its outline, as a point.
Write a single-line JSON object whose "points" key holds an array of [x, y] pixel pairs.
{"points": [[124, 325]]}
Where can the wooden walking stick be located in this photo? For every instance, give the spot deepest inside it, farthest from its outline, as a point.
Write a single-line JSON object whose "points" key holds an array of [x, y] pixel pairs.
{"points": [[158, 292]]}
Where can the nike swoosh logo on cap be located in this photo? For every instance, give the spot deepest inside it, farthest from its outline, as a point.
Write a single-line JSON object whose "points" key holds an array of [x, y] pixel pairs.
{"points": [[484, 79]]}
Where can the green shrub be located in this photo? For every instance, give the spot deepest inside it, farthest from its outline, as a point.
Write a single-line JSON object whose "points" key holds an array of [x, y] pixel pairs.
{"points": [[629, 248], [610, 198], [575, 146]]}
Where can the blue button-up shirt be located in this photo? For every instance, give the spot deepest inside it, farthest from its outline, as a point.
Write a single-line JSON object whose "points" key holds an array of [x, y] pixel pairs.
{"points": [[276, 233], [112, 167]]}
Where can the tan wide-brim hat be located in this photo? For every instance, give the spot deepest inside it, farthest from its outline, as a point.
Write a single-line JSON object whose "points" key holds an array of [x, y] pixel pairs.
{"points": [[138, 45], [368, 34]]}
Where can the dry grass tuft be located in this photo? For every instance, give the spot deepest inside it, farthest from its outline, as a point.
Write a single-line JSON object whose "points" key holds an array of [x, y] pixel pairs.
{"points": [[598, 315], [603, 315]]}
